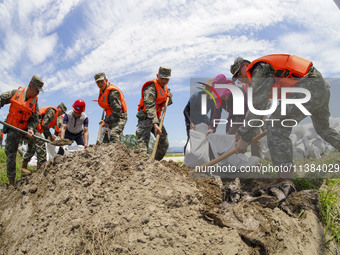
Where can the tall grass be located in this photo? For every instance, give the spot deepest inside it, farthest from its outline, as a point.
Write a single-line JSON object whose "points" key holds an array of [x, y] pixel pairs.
{"points": [[3, 170], [330, 210]]}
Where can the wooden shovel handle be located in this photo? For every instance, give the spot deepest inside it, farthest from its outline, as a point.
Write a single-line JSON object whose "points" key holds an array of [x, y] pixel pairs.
{"points": [[160, 126]]}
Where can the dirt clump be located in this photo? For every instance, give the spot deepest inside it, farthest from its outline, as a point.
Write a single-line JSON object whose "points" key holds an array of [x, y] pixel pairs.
{"points": [[109, 199]]}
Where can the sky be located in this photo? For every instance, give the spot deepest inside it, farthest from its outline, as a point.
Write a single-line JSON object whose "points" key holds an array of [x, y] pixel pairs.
{"points": [[66, 42]]}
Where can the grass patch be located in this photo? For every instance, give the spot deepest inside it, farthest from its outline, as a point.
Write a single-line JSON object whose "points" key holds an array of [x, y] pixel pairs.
{"points": [[174, 155], [329, 191], [330, 210], [3, 169]]}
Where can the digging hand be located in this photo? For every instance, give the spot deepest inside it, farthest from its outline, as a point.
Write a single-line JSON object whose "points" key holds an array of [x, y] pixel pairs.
{"points": [[241, 146], [209, 131], [157, 129], [30, 133]]}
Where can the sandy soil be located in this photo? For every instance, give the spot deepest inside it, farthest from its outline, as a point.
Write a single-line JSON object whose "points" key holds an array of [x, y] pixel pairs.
{"points": [[108, 199]]}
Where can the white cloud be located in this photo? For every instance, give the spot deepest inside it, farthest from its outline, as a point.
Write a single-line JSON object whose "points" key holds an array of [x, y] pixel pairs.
{"points": [[41, 48], [129, 39], [178, 143]]}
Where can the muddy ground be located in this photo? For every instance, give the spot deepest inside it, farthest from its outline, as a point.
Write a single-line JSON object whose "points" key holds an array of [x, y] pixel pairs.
{"points": [[108, 199]]}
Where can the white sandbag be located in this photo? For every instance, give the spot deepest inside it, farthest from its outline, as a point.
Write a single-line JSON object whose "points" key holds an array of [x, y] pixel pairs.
{"points": [[33, 161], [72, 148], [221, 144], [197, 151], [51, 151]]}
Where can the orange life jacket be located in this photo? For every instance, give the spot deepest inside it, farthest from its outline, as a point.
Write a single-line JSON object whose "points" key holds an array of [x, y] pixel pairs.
{"points": [[20, 110], [104, 102], [52, 124], [161, 95], [1, 135], [288, 69]]}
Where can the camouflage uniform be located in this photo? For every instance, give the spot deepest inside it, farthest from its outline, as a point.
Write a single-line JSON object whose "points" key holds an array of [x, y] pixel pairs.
{"points": [[146, 122], [279, 143], [14, 137], [116, 120], [1, 137], [37, 145]]}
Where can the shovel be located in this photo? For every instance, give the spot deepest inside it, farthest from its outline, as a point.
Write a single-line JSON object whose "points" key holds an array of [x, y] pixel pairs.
{"points": [[160, 126], [60, 142], [100, 128], [233, 151]]}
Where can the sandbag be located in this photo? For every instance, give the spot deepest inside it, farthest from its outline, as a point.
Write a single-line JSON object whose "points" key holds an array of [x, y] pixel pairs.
{"points": [[197, 151]]}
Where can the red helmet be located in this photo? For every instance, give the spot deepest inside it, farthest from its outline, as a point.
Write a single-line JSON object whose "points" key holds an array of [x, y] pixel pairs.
{"points": [[79, 106]]}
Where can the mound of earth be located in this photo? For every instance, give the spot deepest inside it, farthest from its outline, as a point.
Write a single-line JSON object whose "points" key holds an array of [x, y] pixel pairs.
{"points": [[108, 199]]}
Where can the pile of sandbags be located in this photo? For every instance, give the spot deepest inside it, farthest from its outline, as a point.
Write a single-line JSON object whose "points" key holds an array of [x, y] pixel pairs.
{"points": [[306, 142]]}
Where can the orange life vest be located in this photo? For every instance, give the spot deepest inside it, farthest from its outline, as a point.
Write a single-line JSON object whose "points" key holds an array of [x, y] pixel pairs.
{"points": [[20, 110], [1, 135], [104, 102], [161, 95], [288, 69], [52, 124]]}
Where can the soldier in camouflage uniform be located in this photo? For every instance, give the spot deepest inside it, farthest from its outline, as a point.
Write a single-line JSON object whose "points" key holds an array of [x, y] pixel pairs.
{"points": [[48, 119], [154, 94], [112, 100], [23, 114], [263, 76]]}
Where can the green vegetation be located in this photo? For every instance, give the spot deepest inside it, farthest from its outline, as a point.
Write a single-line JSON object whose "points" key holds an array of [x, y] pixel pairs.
{"points": [[174, 155], [330, 210], [329, 191], [3, 171], [131, 141]]}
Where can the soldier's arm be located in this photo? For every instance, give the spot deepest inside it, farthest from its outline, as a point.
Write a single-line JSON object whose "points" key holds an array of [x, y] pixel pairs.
{"points": [[64, 126], [262, 81], [49, 116], [5, 98], [33, 121], [116, 106], [149, 94], [86, 133]]}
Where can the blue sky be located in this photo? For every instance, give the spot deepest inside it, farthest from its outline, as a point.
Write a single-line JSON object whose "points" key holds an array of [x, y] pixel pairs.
{"points": [[67, 41]]}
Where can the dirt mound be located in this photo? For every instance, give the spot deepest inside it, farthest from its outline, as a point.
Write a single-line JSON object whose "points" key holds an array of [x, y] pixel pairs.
{"points": [[108, 199]]}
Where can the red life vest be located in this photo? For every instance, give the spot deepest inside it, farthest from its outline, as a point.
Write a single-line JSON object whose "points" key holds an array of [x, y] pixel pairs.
{"points": [[103, 99], [20, 110], [288, 69], [1, 135], [52, 124], [161, 95]]}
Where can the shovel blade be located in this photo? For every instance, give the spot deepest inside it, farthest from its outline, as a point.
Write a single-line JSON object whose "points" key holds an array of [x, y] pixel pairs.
{"points": [[62, 142]]}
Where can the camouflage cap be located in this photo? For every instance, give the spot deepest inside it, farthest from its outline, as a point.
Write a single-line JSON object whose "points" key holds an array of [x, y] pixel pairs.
{"points": [[100, 76], [164, 72], [37, 82], [62, 107], [235, 68]]}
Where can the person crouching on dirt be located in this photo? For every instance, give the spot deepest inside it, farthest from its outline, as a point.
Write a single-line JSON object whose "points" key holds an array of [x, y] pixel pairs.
{"points": [[48, 116], [75, 125], [265, 73], [153, 97], [112, 100], [23, 114], [227, 104]]}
